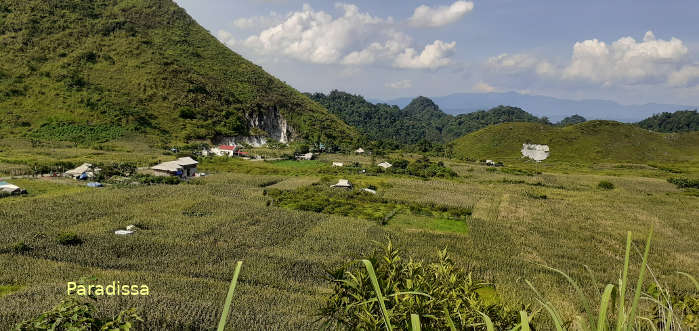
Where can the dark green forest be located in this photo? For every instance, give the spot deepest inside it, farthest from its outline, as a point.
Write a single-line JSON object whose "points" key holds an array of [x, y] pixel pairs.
{"points": [[421, 124], [679, 121]]}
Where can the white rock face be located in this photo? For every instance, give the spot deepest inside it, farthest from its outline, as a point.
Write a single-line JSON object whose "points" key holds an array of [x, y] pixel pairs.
{"points": [[271, 121], [535, 152]]}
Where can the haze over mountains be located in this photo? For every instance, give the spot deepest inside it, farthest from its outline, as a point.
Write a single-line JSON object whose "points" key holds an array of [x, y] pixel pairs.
{"points": [[553, 108]]}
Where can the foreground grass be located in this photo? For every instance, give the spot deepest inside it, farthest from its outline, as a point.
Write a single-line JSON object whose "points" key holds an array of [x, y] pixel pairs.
{"points": [[194, 234]]}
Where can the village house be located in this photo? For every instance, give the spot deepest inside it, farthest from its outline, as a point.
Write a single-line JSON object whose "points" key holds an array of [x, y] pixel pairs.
{"points": [[83, 172], [184, 168], [384, 165], [222, 150], [342, 183], [307, 157]]}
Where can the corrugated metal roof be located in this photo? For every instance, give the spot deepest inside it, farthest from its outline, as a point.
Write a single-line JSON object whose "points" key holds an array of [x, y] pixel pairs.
{"points": [[171, 166], [186, 161]]}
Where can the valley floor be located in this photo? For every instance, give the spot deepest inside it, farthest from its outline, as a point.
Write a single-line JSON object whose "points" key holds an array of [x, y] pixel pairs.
{"points": [[194, 233]]}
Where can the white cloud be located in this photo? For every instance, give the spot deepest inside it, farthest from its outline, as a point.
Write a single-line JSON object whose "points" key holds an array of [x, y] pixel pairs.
{"points": [[426, 16], [434, 56], [626, 60], [226, 38], [688, 76], [258, 22], [403, 84], [352, 38], [483, 87]]}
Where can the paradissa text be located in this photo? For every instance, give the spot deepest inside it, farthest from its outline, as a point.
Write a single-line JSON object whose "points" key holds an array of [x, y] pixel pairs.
{"points": [[113, 289]]}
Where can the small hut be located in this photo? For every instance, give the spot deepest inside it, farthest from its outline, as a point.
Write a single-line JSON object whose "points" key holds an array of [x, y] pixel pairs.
{"points": [[83, 172], [305, 157], [338, 164], [342, 183], [360, 151], [384, 165], [183, 167]]}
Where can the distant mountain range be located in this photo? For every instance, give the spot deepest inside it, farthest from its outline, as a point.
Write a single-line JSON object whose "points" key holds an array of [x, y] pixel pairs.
{"points": [[553, 108]]}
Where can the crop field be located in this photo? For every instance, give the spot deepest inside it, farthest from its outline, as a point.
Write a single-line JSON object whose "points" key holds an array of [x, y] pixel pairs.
{"points": [[191, 236]]}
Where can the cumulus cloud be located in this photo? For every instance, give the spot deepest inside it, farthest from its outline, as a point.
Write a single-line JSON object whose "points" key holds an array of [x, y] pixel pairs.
{"points": [[626, 60], [426, 16], [483, 87], [519, 63], [434, 56], [403, 84], [258, 22], [352, 38], [226, 38]]}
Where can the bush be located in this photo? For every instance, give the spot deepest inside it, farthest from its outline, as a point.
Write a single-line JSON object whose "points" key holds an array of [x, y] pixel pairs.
{"points": [[69, 239], [153, 180], [76, 314], [439, 292], [20, 248], [683, 182], [605, 185]]}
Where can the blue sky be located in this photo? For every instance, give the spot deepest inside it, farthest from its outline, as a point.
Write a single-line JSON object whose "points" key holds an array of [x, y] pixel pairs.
{"points": [[627, 51]]}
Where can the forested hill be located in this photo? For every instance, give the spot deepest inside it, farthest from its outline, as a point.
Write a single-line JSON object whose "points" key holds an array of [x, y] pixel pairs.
{"points": [[419, 122], [95, 70], [679, 121]]}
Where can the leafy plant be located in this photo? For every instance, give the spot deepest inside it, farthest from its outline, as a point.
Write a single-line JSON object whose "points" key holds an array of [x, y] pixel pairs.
{"points": [[76, 314], [684, 182], [388, 291], [69, 239], [605, 185]]}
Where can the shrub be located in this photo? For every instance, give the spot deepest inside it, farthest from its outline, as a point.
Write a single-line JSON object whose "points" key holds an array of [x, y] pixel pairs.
{"points": [[536, 196], [20, 248], [684, 182], [605, 185], [69, 239], [76, 314], [152, 180], [446, 296]]}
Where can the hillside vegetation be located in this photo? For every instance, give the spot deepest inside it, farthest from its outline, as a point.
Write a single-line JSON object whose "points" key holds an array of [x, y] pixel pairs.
{"points": [[589, 142], [679, 121], [421, 122], [90, 71]]}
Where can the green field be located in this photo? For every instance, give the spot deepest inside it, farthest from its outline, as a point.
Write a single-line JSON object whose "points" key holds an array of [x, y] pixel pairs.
{"points": [[193, 234]]}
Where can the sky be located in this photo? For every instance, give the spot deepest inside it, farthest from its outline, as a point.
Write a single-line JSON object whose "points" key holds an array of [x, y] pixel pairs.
{"points": [[632, 52]]}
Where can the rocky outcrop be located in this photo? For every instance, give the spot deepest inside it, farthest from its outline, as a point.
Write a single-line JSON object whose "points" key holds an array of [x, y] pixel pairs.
{"points": [[271, 126]]}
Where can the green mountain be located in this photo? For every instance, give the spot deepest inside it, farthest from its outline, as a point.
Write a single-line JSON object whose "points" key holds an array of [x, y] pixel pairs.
{"points": [[95, 70], [679, 121], [589, 142], [419, 121]]}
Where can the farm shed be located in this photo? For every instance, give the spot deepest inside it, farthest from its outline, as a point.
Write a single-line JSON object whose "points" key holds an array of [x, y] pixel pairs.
{"points": [[84, 171], [342, 183], [359, 151], [307, 157], [223, 150], [183, 167], [385, 165], [338, 164], [8, 188]]}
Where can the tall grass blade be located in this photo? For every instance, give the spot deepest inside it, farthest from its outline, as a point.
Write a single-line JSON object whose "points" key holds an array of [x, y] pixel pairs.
{"points": [[606, 297], [581, 294], [691, 278], [415, 322], [554, 316], [377, 289], [488, 322], [639, 284], [621, 305], [525, 320], [229, 297], [450, 323]]}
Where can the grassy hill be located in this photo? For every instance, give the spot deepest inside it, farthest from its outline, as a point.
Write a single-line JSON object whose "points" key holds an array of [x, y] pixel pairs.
{"points": [[589, 142], [91, 71]]}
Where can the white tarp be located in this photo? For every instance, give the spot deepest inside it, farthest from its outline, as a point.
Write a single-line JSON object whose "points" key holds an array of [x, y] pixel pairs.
{"points": [[535, 152]]}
